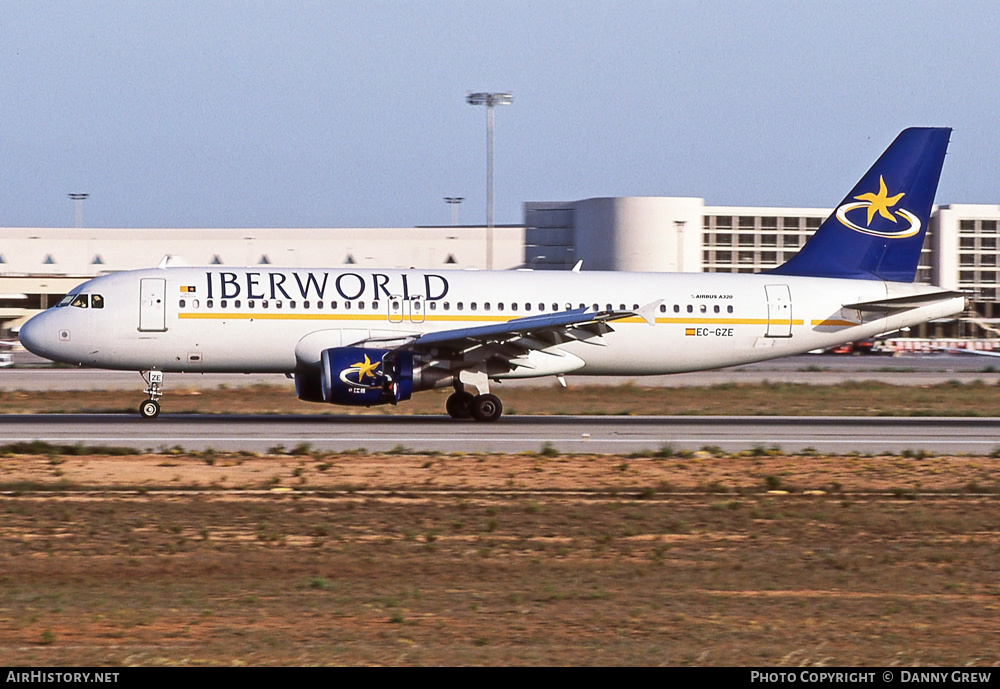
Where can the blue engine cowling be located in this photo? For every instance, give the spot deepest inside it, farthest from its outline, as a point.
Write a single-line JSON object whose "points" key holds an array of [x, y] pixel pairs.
{"points": [[359, 376]]}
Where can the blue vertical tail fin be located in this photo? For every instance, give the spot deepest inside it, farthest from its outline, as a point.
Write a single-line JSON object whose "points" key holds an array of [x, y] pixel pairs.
{"points": [[877, 231]]}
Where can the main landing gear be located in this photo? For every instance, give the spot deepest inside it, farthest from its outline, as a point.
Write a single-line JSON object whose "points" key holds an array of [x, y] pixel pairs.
{"points": [[465, 405], [150, 408]]}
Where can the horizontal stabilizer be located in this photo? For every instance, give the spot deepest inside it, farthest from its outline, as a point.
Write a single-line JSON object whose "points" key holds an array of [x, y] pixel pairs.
{"points": [[965, 350], [908, 301]]}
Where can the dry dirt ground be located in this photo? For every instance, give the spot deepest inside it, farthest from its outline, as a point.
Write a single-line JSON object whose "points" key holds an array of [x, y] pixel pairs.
{"points": [[493, 560]]}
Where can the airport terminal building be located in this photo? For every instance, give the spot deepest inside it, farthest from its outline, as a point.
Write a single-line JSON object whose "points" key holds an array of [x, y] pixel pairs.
{"points": [[39, 265]]}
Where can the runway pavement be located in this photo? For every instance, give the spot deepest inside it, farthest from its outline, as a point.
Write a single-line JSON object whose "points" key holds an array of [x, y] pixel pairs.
{"points": [[914, 369], [521, 434], [511, 434]]}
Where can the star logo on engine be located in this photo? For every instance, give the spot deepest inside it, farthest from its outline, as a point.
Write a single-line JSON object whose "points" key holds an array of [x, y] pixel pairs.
{"points": [[365, 368]]}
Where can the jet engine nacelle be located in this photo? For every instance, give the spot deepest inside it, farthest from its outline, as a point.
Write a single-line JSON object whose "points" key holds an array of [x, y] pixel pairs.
{"points": [[358, 376]]}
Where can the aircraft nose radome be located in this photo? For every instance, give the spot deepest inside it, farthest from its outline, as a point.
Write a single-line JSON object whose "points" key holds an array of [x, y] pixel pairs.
{"points": [[30, 335]]}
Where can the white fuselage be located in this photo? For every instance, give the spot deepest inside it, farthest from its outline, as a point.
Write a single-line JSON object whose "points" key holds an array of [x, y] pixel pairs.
{"points": [[271, 320]]}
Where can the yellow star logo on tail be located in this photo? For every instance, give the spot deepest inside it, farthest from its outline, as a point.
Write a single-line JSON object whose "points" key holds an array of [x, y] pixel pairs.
{"points": [[881, 202]]}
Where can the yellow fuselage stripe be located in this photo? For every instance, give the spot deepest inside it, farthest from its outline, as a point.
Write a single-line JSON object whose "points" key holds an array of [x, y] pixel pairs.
{"points": [[728, 321], [285, 316], [491, 319]]}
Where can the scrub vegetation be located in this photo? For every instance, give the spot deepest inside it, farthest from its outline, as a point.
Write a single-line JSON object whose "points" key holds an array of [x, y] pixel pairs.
{"points": [[659, 557]]}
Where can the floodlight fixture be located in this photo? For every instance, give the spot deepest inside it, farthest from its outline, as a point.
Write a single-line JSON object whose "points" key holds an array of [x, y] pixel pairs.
{"points": [[490, 100], [78, 200]]}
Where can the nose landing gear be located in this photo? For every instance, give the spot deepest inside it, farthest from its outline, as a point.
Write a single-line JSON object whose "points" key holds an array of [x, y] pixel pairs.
{"points": [[150, 408]]}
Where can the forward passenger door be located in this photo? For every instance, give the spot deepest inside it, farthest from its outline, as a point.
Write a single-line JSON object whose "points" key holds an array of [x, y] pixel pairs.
{"points": [[152, 307]]}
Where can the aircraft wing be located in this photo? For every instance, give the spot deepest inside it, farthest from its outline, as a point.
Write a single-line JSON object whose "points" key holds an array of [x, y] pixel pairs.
{"points": [[495, 345], [548, 326]]}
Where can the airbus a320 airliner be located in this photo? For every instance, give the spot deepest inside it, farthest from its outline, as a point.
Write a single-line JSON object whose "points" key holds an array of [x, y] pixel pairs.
{"points": [[365, 337]]}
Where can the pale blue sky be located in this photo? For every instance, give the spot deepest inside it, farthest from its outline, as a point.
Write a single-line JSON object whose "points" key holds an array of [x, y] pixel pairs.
{"points": [[303, 114]]}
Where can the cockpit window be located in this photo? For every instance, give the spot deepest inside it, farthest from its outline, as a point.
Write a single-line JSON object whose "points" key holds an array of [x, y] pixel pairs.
{"points": [[83, 301]]}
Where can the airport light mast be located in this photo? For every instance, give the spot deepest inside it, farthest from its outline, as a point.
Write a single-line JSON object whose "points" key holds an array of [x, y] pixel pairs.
{"points": [[490, 100], [453, 202], [78, 199]]}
